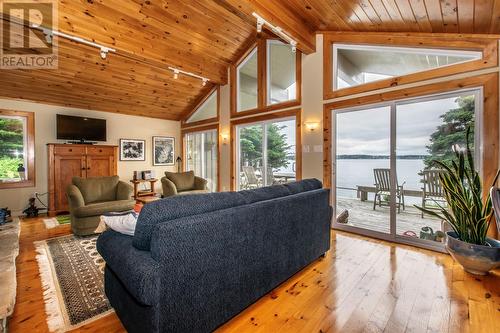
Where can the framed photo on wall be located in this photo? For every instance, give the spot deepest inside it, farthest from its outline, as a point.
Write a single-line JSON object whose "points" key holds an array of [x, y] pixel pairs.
{"points": [[132, 150], [163, 150]]}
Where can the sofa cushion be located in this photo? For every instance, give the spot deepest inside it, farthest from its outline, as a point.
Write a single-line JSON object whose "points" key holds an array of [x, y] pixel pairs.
{"points": [[184, 181], [97, 188], [304, 185], [265, 193], [172, 208], [100, 208]]}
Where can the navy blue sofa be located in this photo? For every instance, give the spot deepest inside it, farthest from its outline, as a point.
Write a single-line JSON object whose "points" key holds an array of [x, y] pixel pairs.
{"points": [[196, 261]]}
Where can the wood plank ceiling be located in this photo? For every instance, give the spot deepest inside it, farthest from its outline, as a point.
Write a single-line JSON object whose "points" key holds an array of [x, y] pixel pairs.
{"points": [[205, 37]]}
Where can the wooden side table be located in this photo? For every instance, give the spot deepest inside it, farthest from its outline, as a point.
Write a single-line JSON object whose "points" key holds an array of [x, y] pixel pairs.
{"points": [[148, 193]]}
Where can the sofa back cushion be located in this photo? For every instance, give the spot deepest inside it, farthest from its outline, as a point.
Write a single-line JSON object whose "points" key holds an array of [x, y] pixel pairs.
{"points": [[304, 185], [265, 193], [97, 188], [184, 181], [172, 208]]}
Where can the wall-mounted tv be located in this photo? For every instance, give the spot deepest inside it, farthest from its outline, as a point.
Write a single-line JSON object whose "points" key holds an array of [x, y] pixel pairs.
{"points": [[80, 128]]}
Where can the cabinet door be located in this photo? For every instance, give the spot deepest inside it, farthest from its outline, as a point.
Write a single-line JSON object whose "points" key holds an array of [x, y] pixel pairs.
{"points": [[66, 167], [100, 165]]}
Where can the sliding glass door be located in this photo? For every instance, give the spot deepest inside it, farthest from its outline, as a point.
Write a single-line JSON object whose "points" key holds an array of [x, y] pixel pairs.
{"points": [[201, 155], [385, 163], [363, 151], [266, 153]]}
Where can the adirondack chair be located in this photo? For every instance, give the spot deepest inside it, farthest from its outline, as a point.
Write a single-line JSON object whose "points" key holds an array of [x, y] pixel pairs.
{"points": [[432, 189], [251, 178], [383, 187]]}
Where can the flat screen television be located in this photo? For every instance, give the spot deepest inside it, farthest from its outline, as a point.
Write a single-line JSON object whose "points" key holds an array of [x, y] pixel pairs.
{"points": [[80, 129]]}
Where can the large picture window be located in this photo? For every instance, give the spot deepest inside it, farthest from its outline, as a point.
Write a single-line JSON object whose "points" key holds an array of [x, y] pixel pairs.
{"points": [[201, 155], [17, 161], [267, 150]]}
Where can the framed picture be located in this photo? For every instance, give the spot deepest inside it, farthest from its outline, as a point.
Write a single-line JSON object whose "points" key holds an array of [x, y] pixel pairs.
{"points": [[132, 150], [163, 150]]}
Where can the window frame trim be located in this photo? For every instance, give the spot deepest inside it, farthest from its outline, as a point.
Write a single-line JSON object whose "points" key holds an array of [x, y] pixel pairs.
{"points": [[30, 149]]}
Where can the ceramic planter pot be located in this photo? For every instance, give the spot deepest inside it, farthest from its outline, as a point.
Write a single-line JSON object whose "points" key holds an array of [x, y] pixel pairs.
{"points": [[475, 259]]}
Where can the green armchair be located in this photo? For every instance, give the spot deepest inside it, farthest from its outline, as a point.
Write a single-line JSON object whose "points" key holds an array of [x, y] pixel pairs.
{"points": [[183, 183], [89, 198]]}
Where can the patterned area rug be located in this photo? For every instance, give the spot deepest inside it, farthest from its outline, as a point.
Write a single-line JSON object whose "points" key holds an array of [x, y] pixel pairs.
{"points": [[72, 273]]}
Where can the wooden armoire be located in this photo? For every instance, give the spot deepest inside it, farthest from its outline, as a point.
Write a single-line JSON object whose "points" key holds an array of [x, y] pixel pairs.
{"points": [[76, 160]]}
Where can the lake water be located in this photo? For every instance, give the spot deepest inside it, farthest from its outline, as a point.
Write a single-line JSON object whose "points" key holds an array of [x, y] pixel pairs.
{"points": [[353, 172]]}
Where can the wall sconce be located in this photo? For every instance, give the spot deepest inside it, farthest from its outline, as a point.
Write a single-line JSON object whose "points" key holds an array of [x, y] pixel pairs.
{"points": [[311, 126], [225, 138]]}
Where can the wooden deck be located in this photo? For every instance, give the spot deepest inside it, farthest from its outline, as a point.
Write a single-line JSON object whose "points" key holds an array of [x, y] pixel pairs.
{"points": [[362, 285], [361, 214]]}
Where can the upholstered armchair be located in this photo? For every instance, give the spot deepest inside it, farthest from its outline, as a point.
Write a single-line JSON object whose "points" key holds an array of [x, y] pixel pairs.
{"points": [[89, 198], [182, 183]]}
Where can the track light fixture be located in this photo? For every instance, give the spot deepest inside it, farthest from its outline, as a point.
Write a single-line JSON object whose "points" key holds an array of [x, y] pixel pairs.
{"points": [[261, 22], [177, 71], [49, 35], [104, 52]]}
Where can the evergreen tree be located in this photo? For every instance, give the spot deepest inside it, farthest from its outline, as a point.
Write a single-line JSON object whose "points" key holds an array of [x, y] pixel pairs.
{"points": [[452, 131], [251, 146], [11, 137], [11, 147]]}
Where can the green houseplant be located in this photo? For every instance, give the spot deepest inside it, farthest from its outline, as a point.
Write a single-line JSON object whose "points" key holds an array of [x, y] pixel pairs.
{"points": [[467, 213]]}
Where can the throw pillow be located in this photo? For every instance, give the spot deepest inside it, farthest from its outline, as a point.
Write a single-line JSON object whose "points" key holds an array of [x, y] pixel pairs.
{"points": [[123, 222]]}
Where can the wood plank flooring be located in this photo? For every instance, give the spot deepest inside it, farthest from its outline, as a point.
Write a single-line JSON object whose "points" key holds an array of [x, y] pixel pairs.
{"points": [[362, 285]]}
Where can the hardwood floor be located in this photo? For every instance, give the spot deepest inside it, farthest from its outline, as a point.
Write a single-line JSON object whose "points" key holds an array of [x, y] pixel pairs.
{"points": [[362, 285]]}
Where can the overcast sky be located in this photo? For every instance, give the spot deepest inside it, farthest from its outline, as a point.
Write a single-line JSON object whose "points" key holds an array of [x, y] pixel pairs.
{"points": [[368, 131]]}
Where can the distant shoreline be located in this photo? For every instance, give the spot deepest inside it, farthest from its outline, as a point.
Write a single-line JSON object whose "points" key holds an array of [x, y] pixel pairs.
{"points": [[381, 157]]}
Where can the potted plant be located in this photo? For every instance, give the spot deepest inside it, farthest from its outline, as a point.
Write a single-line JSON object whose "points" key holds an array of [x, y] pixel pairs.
{"points": [[468, 214]]}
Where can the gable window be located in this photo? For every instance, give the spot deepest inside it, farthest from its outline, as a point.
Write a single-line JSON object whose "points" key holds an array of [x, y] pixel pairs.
{"points": [[267, 78], [247, 73], [359, 64], [282, 79], [17, 160], [207, 109]]}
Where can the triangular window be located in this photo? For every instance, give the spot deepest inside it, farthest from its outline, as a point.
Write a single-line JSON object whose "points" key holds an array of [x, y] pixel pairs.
{"points": [[207, 110]]}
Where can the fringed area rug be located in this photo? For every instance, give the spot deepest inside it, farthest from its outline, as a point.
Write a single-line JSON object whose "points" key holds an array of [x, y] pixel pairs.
{"points": [[72, 273], [56, 221]]}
